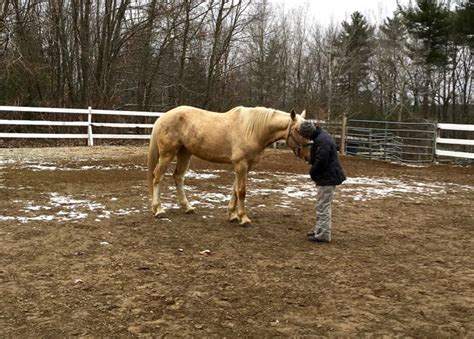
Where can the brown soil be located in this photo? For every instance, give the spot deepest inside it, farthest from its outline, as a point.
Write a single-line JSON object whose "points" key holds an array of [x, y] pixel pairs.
{"points": [[100, 264]]}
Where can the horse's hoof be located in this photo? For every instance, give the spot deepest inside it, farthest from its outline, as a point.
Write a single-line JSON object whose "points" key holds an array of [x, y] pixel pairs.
{"points": [[190, 210], [245, 222], [160, 214], [233, 218]]}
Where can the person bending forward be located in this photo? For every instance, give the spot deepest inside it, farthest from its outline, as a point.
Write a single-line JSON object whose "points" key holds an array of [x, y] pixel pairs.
{"points": [[327, 173]]}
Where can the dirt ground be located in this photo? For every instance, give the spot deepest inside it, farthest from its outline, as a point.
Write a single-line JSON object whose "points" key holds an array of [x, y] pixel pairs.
{"points": [[82, 255]]}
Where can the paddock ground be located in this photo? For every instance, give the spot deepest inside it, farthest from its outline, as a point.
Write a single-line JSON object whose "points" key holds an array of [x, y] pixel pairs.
{"points": [[81, 255]]}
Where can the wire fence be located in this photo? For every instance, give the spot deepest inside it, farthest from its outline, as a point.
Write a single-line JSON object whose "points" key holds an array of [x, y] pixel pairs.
{"points": [[394, 141]]}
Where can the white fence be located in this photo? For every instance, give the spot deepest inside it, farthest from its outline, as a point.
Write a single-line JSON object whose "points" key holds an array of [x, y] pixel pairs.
{"points": [[450, 141], [88, 125]]}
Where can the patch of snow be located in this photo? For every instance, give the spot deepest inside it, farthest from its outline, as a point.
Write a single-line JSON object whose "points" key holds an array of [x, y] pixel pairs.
{"points": [[125, 211], [369, 188], [6, 161], [285, 187], [69, 202], [214, 197], [24, 220], [201, 175], [6, 218], [258, 180], [71, 215], [110, 168], [30, 207], [34, 166], [284, 206]]}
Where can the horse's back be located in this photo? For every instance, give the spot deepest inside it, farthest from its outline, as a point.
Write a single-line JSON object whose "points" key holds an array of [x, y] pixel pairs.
{"points": [[186, 110], [188, 115], [203, 133], [224, 137]]}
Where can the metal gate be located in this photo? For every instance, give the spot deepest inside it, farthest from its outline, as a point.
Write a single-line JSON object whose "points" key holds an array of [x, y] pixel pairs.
{"points": [[394, 141]]}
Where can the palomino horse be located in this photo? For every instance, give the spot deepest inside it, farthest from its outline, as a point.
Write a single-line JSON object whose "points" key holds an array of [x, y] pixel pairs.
{"points": [[236, 137]]}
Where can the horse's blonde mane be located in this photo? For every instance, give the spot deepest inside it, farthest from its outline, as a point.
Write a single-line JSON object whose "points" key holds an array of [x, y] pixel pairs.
{"points": [[255, 120]]}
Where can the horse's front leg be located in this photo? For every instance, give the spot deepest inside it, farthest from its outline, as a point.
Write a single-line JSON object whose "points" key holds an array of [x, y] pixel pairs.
{"points": [[232, 208], [241, 183], [182, 164]]}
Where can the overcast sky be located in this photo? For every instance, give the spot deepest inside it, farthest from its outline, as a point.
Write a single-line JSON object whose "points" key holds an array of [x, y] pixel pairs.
{"points": [[327, 11]]}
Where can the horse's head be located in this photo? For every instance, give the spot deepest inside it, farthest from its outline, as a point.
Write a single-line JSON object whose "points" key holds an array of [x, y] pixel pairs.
{"points": [[298, 144]]}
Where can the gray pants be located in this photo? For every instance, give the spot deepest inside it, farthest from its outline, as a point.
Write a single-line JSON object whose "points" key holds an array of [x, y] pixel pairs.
{"points": [[322, 230]]}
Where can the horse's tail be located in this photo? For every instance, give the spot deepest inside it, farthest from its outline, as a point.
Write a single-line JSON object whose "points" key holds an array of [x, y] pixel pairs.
{"points": [[153, 157]]}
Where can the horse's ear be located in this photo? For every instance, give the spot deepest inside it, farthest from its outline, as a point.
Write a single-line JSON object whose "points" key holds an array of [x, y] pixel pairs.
{"points": [[303, 114], [293, 114]]}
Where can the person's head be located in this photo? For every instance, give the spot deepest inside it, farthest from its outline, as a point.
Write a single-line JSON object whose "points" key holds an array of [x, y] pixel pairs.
{"points": [[306, 129]]}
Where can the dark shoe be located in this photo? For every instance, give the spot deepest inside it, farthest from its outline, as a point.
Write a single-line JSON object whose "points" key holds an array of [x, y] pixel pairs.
{"points": [[314, 239]]}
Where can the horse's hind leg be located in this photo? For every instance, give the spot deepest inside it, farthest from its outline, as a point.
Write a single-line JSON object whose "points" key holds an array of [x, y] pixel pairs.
{"points": [[182, 163], [159, 174]]}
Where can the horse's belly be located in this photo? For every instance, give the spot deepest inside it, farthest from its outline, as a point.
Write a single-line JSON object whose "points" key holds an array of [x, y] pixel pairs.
{"points": [[213, 157]]}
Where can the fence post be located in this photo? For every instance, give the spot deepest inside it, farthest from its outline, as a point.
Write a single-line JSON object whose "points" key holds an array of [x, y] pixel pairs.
{"points": [[342, 146], [90, 137], [437, 134], [370, 143]]}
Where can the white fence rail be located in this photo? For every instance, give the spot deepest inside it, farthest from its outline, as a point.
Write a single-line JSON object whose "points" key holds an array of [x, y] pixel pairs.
{"points": [[450, 141], [89, 124]]}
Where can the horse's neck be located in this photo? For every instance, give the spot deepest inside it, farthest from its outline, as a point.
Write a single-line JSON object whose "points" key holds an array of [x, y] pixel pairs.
{"points": [[278, 128]]}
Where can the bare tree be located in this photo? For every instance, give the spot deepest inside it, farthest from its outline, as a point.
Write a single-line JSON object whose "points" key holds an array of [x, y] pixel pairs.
{"points": [[225, 23], [81, 16]]}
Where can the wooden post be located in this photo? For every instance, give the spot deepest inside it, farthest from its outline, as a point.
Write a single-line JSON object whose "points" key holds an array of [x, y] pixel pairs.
{"points": [[342, 146], [90, 138], [437, 135]]}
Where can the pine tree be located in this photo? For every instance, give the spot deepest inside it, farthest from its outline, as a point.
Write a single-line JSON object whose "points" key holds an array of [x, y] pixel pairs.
{"points": [[429, 25], [353, 51], [390, 67], [464, 24]]}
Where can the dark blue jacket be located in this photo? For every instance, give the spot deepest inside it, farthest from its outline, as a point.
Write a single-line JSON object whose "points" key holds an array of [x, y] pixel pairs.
{"points": [[325, 167]]}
